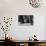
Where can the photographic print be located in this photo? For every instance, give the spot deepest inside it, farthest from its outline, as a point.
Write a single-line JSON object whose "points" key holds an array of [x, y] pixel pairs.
{"points": [[25, 19]]}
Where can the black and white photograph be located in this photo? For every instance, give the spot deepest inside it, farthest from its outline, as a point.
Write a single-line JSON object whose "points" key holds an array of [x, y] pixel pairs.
{"points": [[25, 19]]}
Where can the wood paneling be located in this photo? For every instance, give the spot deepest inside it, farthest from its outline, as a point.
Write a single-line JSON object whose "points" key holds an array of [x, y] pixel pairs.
{"points": [[25, 44]]}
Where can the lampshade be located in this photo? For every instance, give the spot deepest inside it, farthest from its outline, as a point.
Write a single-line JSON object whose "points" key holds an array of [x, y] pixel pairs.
{"points": [[36, 3]]}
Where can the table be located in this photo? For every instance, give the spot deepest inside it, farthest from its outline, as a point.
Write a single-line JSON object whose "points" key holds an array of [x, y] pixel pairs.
{"points": [[27, 42]]}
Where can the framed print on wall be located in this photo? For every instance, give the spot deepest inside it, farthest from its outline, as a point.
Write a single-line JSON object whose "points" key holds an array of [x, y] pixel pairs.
{"points": [[25, 19]]}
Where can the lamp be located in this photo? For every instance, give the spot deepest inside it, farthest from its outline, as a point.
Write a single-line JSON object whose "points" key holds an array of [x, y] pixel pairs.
{"points": [[36, 3]]}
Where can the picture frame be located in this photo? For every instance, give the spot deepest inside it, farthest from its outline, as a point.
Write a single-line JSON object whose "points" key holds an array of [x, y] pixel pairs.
{"points": [[25, 19]]}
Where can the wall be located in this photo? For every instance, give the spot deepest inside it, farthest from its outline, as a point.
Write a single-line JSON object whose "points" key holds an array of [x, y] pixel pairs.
{"points": [[13, 8]]}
